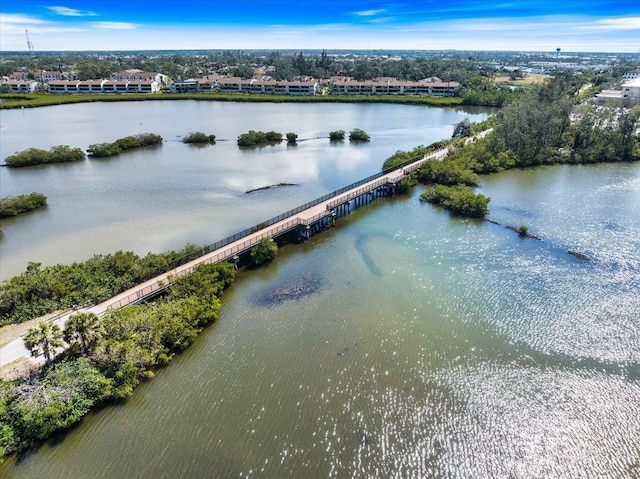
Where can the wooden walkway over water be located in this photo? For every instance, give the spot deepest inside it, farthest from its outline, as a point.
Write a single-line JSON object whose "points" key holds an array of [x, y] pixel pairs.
{"points": [[304, 218]]}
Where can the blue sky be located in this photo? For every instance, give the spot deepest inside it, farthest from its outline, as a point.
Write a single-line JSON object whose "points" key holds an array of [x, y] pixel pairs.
{"points": [[540, 25]]}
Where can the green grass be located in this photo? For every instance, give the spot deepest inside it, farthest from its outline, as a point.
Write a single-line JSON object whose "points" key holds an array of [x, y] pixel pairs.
{"points": [[34, 100]]}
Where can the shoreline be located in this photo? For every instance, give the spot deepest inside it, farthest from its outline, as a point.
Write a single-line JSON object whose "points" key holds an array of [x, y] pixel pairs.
{"points": [[34, 100]]}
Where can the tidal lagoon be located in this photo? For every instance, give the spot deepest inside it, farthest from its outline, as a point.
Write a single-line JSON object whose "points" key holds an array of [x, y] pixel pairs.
{"points": [[405, 342]]}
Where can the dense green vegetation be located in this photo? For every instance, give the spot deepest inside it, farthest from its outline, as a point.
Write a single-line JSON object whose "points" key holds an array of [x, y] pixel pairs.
{"points": [[254, 138], [39, 291], [460, 199], [337, 135], [404, 186], [447, 172], [36, 156], [546, 126], [199, 137], [399, 158], [292, 138], [605, 134], [14, 205], [102, 150], [489, 96], [45, 337], [264, 252], [536, 129], [34, 100], [358, 135], [107, 357]]}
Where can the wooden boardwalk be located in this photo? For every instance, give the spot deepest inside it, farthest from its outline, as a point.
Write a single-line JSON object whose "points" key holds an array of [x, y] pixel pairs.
{"points": [[303, 219]]}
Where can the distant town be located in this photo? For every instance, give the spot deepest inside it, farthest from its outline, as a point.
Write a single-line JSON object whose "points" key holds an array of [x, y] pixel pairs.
{"points": [[484, 78]]}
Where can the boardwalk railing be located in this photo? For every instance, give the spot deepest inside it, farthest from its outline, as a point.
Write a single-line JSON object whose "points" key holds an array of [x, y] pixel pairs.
{"points": [[188, 264], [230, 239]]}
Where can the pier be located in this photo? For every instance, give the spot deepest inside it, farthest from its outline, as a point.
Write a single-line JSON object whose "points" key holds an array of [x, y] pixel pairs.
{"points": [[307, 219]]}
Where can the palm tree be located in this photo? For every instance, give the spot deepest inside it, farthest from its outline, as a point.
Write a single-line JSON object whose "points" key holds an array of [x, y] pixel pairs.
{"points": [[83, 328], [45, 337]]}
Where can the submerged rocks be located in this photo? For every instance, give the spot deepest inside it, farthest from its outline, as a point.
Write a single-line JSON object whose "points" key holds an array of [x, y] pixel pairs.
{"points": [[579, 255], [279, 185], [296, 289], [522, 231]]}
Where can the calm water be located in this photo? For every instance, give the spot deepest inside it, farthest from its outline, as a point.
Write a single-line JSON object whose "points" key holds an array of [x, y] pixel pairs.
{"points": [[417, 345], [163, 197]]}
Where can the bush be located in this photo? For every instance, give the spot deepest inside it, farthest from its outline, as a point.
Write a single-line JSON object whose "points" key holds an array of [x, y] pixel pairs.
{"points": [[399, 158], [128, 143], [358, 135], [337, 135], [459, 199], [102, 150], [253, 138], [405, 184], [273, 136], [259, 226], [446, 173], [264, 252], [14, 205], [199, 137], [35, 156], [292, 138], [57, 398], [148, 139]]}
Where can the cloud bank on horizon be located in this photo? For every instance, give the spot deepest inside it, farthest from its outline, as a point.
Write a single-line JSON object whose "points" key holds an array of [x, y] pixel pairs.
{"points": [[529, 25]]}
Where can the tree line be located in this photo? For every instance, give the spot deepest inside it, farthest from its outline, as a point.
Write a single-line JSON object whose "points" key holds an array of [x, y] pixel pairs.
{"points": [[39, 291], [409, 65], [107, 357], [547, 125]]}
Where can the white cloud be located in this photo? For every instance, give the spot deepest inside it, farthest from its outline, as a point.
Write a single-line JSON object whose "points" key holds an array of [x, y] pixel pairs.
{"points": [[18, 19], [628, 23], [71, 12], [571, 32], [114, 25], [369, 13]]}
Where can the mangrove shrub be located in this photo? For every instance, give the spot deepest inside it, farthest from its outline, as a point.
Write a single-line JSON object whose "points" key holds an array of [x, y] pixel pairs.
{"points": [[253, 138], [14, 205], [359, 135], [399, 158], [102, 150], [199, 137], [337, 135], [459, 199], [265, 251], [35, 156]]}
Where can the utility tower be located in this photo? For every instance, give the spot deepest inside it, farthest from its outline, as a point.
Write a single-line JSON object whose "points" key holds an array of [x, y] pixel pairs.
{"points": [[29, 44]]}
